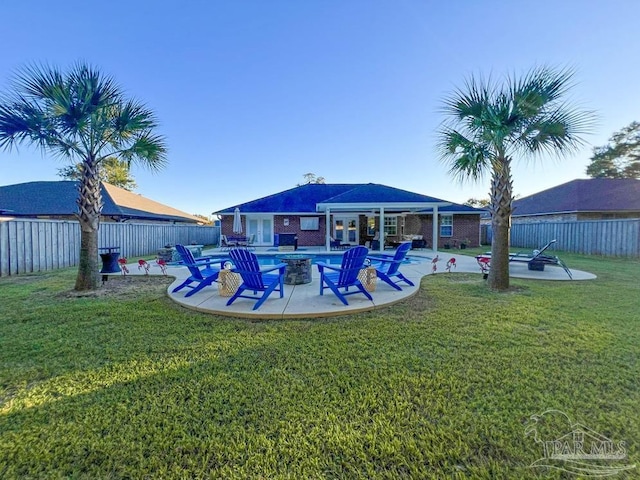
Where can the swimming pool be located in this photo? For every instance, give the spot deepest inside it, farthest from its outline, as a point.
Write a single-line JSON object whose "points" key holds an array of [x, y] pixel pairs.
{"points": [[328, 258]]}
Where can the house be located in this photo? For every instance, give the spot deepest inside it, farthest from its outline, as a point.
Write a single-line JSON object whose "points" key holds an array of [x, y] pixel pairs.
{"points": [[57, 201], [354, 214], [583, 199]]}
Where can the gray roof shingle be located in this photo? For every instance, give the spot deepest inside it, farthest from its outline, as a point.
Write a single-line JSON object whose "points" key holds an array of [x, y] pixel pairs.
{"points": [[304, 198], [583, 195], [59, 199]]}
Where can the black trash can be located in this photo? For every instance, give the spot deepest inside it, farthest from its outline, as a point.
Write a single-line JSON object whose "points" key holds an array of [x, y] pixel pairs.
{"points": [[110, 258]]}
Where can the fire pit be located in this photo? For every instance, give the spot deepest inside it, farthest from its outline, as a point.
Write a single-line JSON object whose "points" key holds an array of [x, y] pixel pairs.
{"points": [[298, 269]]}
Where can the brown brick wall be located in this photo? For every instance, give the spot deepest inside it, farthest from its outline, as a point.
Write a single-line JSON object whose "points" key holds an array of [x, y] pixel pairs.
{"points": [[306, 238], [464, 227]]}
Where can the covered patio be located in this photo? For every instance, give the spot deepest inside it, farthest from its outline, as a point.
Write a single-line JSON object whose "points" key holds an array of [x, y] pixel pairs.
{"points": [[318, 215]]}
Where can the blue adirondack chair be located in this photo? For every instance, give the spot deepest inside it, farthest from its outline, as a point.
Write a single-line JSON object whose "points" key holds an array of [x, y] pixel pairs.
{"points": [[345, 276], [387, 266], [202, 271], [255, 279]]}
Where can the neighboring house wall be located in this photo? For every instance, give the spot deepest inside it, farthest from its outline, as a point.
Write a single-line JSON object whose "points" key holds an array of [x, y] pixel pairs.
{"points": [[607, 215], [560, 217], [573, 217]]}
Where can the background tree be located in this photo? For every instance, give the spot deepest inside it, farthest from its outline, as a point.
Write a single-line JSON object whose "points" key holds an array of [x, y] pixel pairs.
{"points": [[488, 124], [478, 202], [205, 220], [82, 116], [620, 158], [311, 178], [113, 171]]}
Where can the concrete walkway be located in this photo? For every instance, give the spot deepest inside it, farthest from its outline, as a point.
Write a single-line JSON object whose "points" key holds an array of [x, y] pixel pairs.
{"points": [[304, 301]]}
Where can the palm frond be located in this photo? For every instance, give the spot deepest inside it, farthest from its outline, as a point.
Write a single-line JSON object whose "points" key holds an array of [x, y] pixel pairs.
{"points": [[147, 150], [466, 157]]}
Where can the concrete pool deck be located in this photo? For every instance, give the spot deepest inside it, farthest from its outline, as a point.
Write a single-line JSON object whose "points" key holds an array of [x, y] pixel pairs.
{"points": [[305, 301]]}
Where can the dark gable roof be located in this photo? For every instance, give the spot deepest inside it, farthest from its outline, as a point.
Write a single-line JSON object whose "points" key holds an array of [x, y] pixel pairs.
{"points": [[40, 198], [59, 199], [584, 195], [372, 192], [457, 208], [300, 199], [303, 199]]}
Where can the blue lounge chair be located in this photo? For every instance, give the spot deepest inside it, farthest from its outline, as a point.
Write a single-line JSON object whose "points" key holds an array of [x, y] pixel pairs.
{"points": [[387, 266], [345, 276], [253, 278], [203, 273]]}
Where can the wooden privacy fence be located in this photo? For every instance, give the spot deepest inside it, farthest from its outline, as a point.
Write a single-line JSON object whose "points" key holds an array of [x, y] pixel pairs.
{"points": [[30, 245], [619, 238]]}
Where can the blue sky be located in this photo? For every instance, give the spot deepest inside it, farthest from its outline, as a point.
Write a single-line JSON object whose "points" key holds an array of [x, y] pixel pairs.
{"points": [[251, 95]]}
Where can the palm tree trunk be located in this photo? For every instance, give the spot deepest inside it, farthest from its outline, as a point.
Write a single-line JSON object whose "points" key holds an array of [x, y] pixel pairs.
{"points": [[501, 195], [90, 207]]}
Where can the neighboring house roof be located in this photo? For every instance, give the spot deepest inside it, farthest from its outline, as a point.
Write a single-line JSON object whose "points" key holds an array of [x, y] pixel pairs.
{"points": [[59, 199], [583, 195], [316, 197]]}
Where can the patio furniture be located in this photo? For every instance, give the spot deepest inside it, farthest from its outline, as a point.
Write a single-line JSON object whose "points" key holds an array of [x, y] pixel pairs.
{"points": [[287, 242], [345, 276], [387, 266], [202, 271], [334, 243], [250, 241], [535, 260], [375, 242], [255, 279], [225, 244], [236, 241], [418, 243]]}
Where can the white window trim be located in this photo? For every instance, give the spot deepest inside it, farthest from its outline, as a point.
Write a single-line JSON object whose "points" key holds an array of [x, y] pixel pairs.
{"points": [[442, 216], [395, 225]]}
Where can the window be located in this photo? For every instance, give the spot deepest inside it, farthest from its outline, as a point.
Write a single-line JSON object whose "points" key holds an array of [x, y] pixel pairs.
{"points": [[371, 226], [391, 226], [309, 223], [446, 225]]}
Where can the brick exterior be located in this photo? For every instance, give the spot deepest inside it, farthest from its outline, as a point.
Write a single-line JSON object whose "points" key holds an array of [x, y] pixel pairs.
{"points": [[306, 238], [465, 227]]}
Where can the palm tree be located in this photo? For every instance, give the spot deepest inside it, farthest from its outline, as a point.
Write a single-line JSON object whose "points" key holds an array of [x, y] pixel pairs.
{"points": [[488, 125], [83, 117]]}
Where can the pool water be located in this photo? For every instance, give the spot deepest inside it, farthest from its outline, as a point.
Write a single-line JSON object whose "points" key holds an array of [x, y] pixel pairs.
{"points": [[331, 259]]}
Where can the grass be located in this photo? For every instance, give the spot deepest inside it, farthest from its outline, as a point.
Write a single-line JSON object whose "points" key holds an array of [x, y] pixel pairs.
{"points": [[129, 385]]}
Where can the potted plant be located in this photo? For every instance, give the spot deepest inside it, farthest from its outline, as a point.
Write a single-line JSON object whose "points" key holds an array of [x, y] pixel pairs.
{"points": [[447, 245], [464, 243]]}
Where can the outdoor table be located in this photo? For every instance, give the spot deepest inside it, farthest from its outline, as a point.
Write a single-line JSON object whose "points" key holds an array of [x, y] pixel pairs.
{"points": [[237, 241], [298, 270]]}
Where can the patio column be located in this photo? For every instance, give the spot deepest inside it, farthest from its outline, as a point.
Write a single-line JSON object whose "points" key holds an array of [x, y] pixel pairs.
{"points": [[435, 228], [327, 229], [381, 229]]}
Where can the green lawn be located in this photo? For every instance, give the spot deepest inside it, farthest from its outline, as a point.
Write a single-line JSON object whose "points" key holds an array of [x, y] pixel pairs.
{"points": [[129, 385]]}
